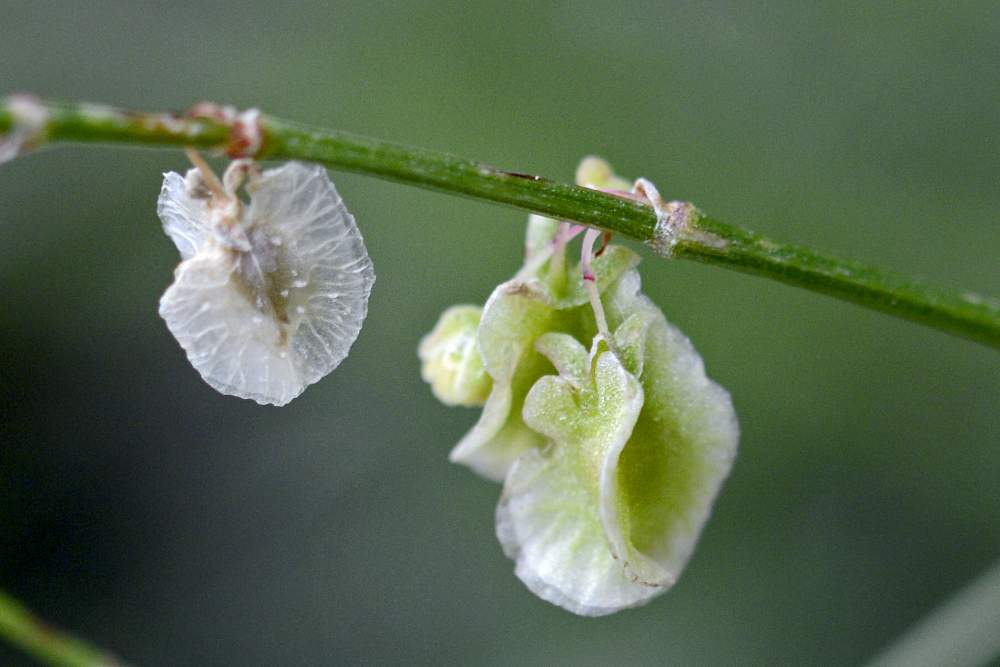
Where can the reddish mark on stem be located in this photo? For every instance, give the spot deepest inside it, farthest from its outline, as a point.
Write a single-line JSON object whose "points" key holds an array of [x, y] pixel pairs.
{"points": [[246, 133], [212, 111], [247, 137]]}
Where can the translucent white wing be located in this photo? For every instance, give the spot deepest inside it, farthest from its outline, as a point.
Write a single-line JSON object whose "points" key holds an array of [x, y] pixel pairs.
{"points": [[185, 218], [272, 304], [237, 349], [296, 214]]}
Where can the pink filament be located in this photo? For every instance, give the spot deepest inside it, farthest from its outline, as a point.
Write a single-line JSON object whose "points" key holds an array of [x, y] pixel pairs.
{"points": [[590, 284]]}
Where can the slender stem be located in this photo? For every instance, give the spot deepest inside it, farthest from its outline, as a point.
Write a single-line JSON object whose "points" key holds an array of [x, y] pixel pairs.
{"points": [[23, 629], [699, 238], [964, 631]]}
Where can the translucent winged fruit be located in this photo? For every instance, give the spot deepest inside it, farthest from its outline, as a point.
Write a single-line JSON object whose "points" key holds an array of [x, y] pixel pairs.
{"points": [[270, 295]]}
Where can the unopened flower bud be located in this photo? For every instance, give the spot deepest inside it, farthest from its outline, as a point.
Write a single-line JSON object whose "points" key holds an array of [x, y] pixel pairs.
{"points": [[451, 363]]}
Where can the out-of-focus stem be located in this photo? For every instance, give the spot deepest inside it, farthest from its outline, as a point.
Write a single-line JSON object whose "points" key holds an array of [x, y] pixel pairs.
{"points": [[23, 629], [963, 632]]}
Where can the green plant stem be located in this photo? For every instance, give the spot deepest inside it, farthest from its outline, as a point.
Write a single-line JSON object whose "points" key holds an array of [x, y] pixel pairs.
{"points": [[703, 239], [23, 629], [962, 632]]}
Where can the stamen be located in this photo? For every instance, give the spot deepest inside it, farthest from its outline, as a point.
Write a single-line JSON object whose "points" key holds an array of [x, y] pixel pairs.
{"points": [[673, 218], [590, 284], [605, 240], [556, 251], [211, 180], [237, 171], [647, 191]]}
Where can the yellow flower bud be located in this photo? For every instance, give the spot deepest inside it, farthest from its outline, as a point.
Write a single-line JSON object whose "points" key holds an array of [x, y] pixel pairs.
{"points": [[595, 172], [451, 363]]}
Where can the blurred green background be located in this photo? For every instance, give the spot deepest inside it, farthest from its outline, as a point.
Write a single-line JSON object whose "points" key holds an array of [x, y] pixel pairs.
{"points": [[177, 526]]}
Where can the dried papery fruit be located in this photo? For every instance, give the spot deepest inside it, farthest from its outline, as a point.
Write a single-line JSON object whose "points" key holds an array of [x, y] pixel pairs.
{"points": [[271, 293]]}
